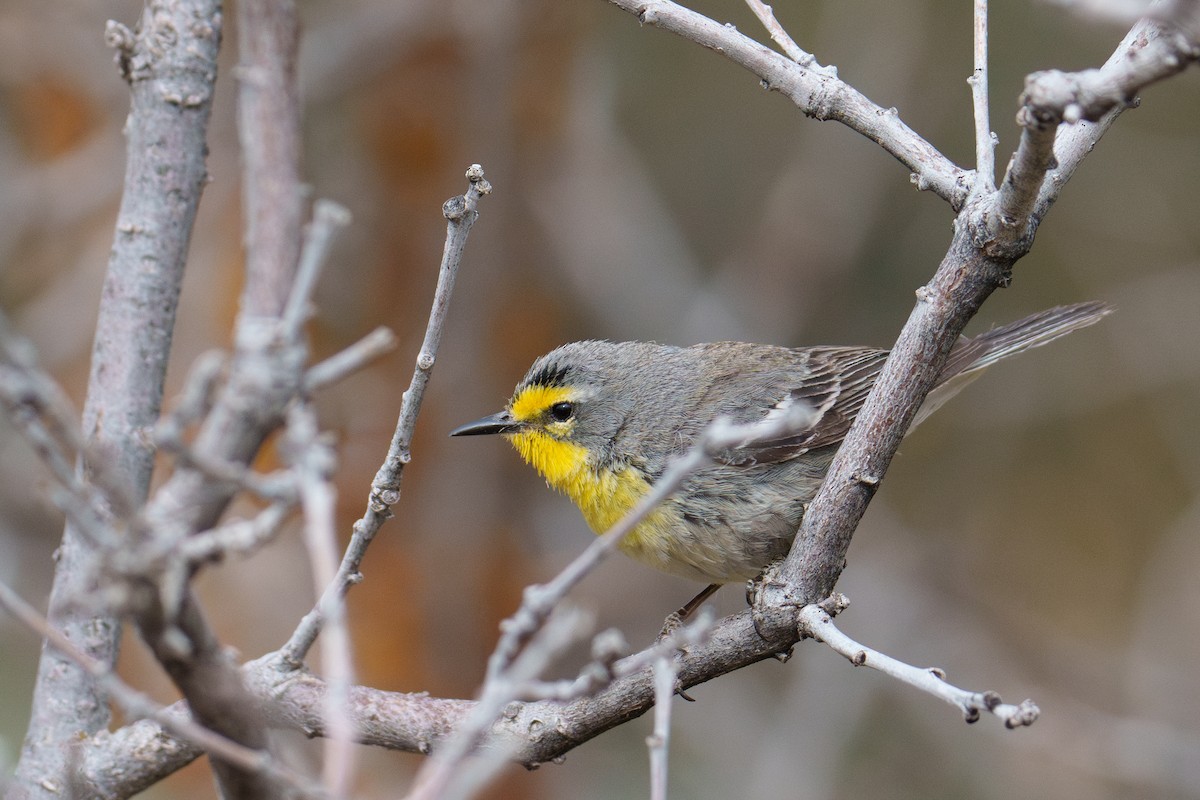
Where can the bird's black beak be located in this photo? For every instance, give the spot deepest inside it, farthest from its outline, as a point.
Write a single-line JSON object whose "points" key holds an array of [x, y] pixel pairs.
{"points": [[496, 423]]}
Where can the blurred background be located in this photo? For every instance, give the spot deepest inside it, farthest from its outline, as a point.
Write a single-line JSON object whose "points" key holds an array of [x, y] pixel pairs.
{"points": [[1037, 537]]}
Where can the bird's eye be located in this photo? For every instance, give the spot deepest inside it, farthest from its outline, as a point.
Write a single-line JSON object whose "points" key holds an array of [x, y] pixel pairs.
{"points": [[562, 411]]}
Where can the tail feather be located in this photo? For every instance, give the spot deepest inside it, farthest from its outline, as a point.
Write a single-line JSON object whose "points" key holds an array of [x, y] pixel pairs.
{"points": [[1035, 330], [970, 356]]}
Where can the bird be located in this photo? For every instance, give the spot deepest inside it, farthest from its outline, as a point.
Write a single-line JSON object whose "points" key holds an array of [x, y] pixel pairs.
{"points": [[601, 421]]}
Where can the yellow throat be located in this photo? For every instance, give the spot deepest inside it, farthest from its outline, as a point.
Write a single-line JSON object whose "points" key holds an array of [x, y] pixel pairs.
{"points": [[602, 495]]}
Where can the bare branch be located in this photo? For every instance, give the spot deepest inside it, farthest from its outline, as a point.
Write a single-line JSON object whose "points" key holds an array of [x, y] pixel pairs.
{"points": [[1050, 152], [170, 64], [778, 35], [40, 411], [328, 218], [461, 213], [139, 706], [350, 360], [242, 537], [817, 623], [314, 461], [817, 93], [269, 132], [985, 140]]}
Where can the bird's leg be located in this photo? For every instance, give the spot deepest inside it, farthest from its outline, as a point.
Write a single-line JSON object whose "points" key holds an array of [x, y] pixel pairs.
{"points": [[693, 604], [676, 618]]}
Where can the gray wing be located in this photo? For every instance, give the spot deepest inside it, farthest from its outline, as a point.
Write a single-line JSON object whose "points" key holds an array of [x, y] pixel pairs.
{"points": [[832, 381]]}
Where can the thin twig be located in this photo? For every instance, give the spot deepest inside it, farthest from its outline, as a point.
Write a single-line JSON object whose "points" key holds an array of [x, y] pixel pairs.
{"points": [[442, 777], [1145, 52], [353, 358], [766, 15], [607, 664], [985, 140], [196, 398], [38, 408], [816, 622], [461, 213], [242, 537], [328, 218]]}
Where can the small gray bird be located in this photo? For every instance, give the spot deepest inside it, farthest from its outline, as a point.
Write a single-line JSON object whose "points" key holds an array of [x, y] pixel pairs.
{"points": [[600, 421]]}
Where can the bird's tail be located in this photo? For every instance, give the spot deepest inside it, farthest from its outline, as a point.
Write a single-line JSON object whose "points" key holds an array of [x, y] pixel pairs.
{"points": [[973, 354], [970, 356]]}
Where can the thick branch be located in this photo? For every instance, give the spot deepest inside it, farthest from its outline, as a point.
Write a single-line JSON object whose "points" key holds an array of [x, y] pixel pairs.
{"points": [[265, 375], [170, 64]]}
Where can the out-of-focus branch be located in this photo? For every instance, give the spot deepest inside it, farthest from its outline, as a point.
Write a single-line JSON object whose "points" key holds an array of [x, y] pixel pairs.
{"points": [[265, 373], [313, 462], [461, 213], [816, 621], [138, 705], [659, 741], [170, 63], [353, 358], [269, 132], [816, 91]]}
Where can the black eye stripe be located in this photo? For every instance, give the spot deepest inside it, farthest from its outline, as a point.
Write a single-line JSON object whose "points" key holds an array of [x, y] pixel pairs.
{"points": [[562, 411]]}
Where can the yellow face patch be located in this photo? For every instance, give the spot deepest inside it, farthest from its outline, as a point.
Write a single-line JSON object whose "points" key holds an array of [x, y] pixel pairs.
{"points": [[533, 401], [544, 442], [603, 495]]}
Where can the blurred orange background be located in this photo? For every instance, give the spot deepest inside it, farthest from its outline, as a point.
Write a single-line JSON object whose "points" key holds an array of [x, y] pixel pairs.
{"points": [[1038, 536]]}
